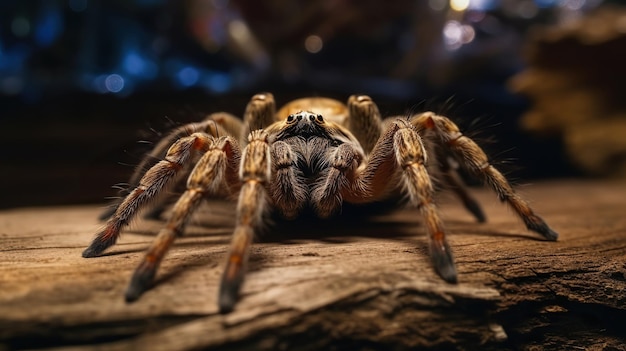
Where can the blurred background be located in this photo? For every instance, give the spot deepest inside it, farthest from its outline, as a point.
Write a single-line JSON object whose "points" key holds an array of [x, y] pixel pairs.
{"points": [[538, 83]]}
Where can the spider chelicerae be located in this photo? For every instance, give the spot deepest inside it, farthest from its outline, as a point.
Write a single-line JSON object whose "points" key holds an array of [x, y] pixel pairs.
{"points": [[313, 154]]}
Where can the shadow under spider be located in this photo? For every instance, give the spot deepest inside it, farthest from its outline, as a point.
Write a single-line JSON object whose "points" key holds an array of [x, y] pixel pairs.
{"points": [[380, 220], [370, 221], [388, 220]]}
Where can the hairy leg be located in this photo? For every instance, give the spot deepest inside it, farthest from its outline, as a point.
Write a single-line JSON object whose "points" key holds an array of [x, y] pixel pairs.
{"points": [[411, 158], [150, 185], [473, 157], [260, 113], [453, 181], [365, 121], [367, 125], [400, 153], [255, 173], [215, 124], [212, 175]]}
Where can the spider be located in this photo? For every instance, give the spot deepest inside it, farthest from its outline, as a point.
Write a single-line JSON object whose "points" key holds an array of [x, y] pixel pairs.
{"points": [[314, 154]]}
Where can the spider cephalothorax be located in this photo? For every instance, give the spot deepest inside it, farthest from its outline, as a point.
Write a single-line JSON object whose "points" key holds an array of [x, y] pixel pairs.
{"points": [[314, 153]]}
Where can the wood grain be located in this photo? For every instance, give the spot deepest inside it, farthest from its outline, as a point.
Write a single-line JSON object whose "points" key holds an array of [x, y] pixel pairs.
{"points": [[350, 284]]}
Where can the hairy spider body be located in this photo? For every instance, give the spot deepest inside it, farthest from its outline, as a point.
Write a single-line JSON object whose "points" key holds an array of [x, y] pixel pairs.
{"points": [[314, 153]]}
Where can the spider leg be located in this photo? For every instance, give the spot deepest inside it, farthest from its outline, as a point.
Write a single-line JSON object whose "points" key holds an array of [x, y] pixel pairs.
{"points": [[260, 113], [453, 180], [215, 124], [255, 173], [365, 121], [151, 184], [473, 157], [411, 157], [227, 124], [216, 169], [400, 150]]}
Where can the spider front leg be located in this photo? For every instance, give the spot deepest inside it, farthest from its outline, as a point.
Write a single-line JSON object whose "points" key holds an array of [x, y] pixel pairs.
{"points": [[150, 185], [400, 151], [255, 172], [214, 174], [411, 158], [474, 158]]}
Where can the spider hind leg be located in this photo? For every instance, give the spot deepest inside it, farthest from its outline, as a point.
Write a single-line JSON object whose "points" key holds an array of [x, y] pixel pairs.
{"points": [[215, 124], [454, 182], [474, 159], [151, 184]]}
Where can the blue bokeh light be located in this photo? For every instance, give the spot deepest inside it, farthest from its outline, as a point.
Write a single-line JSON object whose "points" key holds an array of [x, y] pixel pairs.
{"points": [[482, 5], [49, 26], [106, 47], [188, 76], [219, 82], [114, 83], [137, 65]]}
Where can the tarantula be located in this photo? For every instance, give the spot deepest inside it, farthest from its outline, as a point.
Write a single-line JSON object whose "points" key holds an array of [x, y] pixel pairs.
{"points": [[313, 154]]}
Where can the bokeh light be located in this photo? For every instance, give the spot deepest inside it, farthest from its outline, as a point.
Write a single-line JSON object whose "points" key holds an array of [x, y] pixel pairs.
{"points": [[313, 44], [459, 5], [114, 83]]}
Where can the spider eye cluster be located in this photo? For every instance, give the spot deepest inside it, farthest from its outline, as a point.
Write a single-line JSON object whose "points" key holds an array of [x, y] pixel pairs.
{"points": [[299, 116]]}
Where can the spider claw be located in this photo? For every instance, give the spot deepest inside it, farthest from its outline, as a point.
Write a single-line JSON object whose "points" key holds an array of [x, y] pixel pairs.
{"points": [[235, 269], [90, 252], [443, 261], [140, 282], [536, 224], [105, 238], [229, 291], [550, 234], [97, 247], [547, 233]]}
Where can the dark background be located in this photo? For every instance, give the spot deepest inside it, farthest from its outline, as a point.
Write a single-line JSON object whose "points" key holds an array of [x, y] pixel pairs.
{"points": [[82, 81]]}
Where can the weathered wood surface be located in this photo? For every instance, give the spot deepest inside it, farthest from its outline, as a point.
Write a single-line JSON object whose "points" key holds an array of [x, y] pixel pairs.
{"points": [[355, 285]]}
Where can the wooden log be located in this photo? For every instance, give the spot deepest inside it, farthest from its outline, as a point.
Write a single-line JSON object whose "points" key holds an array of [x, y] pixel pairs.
{"points": [[328, 285]]}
